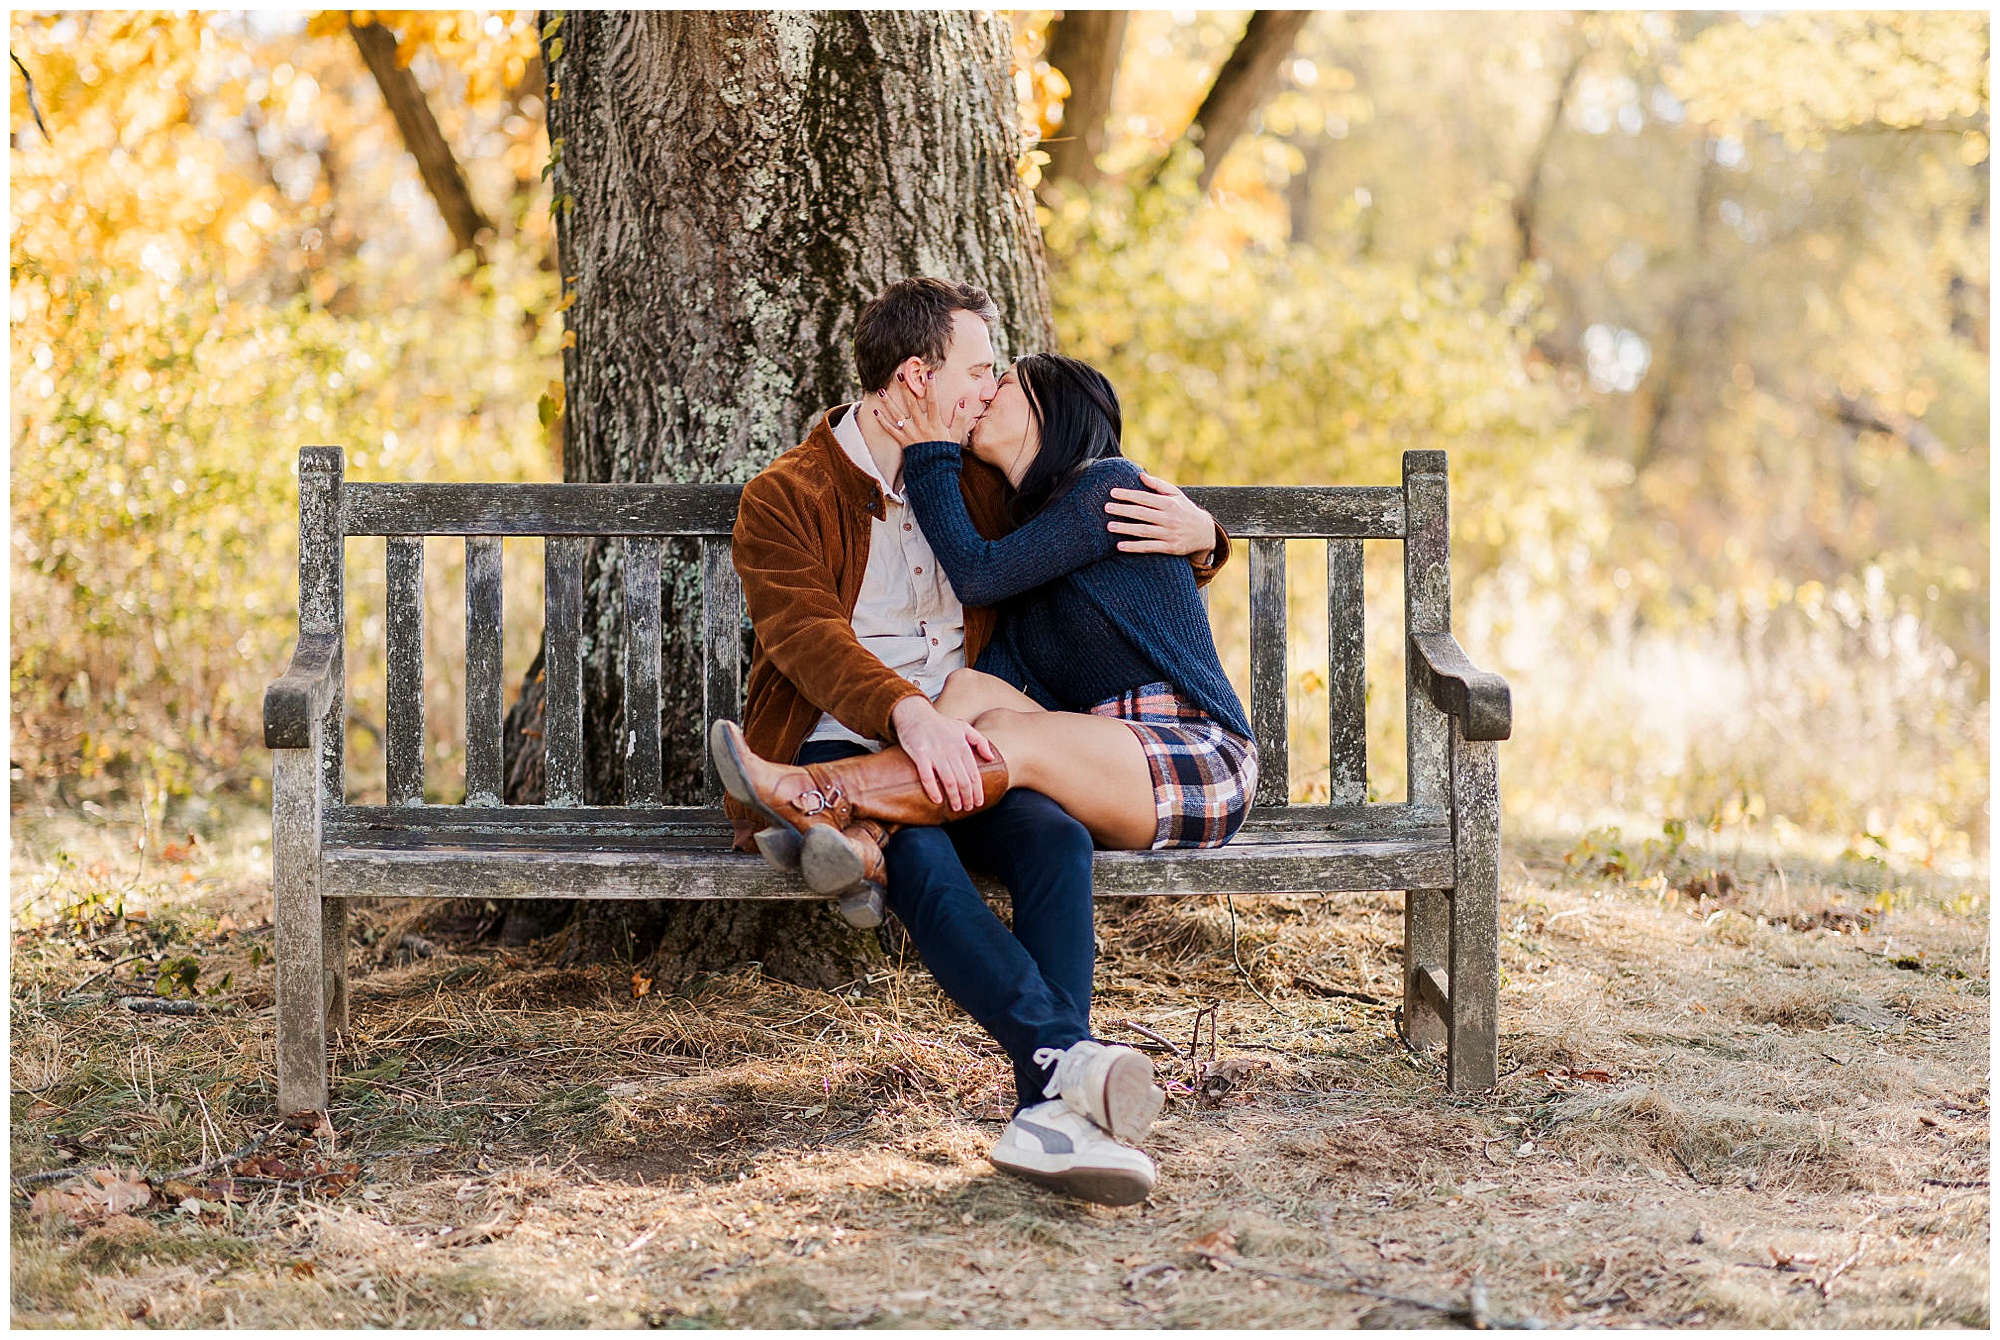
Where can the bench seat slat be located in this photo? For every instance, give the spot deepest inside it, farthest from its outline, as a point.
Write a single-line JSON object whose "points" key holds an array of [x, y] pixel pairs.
{"points": [[445, 824], [643, 870]]}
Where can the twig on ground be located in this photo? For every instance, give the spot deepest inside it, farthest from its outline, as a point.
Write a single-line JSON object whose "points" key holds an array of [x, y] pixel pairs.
{"points": [[1242, 971], [1956, 1186], [1825, 1284], [78, 989], [1473, 1313], [178, 1175], [1141, 1028]]}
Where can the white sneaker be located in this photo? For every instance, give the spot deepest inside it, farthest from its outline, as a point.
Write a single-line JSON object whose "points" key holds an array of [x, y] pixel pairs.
{"points": [[1108, 1082], [1052, 1146]]}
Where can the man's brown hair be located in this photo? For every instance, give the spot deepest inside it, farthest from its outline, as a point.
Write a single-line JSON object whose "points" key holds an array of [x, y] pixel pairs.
{"points": [[912, 319]]}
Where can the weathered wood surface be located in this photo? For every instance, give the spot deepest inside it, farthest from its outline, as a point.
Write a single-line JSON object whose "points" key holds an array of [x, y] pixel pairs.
{"points": [[639, 869], [322, 580], [1269, 720], [1472, 1062], [540, 509], [404, 690], [1434, 987], [1479, 699], [484, 706], [304, 695], [1246, 512], [1426, 609], [562, 717], [671, 824], [1346, 676], [722, 643], [642, 671], [1426, 940], [296, 929]]}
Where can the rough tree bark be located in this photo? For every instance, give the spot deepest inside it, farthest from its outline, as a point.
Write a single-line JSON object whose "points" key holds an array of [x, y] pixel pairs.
{"points": [[1085, 45], [421, 136], [730, 189], [1241, 86]]}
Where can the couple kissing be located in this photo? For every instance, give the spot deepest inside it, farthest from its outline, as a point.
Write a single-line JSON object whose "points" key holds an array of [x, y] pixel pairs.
{"points": [[980, 641]]}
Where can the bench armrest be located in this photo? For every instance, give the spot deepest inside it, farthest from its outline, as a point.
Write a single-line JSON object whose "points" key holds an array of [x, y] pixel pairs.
{"points": [[1480, 699], [295, 704]]}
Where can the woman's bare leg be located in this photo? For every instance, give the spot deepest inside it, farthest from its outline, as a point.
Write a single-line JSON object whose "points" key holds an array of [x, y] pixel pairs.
{"points": [[969, 692], [1092, 766]]}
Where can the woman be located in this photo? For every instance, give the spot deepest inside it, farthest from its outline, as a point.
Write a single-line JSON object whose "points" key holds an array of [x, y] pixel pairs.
{"points": [[1101, 687]]}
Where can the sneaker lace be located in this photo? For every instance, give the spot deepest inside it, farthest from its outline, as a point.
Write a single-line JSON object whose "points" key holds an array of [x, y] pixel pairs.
{"points": [[1054, 1056]]}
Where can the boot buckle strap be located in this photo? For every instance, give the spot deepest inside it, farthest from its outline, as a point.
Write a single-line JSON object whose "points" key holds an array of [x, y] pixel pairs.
{"points": [[810, 803]]}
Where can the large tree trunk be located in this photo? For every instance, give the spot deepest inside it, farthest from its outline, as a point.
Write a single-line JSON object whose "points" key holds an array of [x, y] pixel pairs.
{"points": [[730, 189]]}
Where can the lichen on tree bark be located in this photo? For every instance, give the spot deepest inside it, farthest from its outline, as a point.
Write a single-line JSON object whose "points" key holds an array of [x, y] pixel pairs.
{"points": [[730, 189]]}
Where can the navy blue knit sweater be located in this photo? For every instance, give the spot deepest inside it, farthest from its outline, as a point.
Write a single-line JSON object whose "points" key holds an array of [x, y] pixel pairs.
{"points": [[1151, 609]]}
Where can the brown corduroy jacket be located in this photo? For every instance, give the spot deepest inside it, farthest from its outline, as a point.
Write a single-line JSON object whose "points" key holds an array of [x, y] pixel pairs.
{"points": [[801, 550]]}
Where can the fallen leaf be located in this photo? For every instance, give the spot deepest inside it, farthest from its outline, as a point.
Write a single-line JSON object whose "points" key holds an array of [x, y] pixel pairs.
{"points": [[641, 984], [1219, 1243], [109, 1192]]}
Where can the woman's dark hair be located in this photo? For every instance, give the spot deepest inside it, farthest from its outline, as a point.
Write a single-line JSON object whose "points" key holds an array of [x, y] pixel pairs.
{"points": [[1077, 418]]}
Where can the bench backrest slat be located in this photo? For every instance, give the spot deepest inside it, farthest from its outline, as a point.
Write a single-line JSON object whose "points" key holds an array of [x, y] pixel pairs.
{"points": [[1267, 670], [1426, 609], [641, 744], [722, 644], [1346, 677], [1246, 512], [562, 671], [485, 709], [405, 689]]}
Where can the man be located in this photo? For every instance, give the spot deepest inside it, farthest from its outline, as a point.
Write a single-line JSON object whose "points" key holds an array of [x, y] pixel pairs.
{"points": [[857, 629]]}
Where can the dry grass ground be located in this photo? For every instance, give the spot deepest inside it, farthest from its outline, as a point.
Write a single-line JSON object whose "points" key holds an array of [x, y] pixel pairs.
{"points": [[1764, 1108]]}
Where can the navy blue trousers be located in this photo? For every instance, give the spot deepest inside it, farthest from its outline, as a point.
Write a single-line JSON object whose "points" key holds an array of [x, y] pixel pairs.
{"points": [[1028, 987]]}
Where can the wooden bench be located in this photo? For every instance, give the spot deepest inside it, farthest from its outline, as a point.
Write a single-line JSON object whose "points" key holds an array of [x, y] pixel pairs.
{"points": [[1441, 845]]}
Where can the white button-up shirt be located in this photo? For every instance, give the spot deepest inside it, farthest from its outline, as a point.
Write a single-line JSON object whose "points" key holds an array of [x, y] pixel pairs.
{"points": [[906, 614]]}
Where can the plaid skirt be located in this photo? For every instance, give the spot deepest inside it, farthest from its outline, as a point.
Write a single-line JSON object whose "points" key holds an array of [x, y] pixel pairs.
{"points": [[1203, 774]]}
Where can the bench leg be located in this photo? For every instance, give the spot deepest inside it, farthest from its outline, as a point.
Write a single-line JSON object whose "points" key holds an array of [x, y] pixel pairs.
{"points": [[1472, 1061], [298, 931], [1426, 941], [333, 949]]}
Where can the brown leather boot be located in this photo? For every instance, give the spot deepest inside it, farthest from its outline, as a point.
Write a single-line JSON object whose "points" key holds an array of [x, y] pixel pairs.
{"points": [[834, 860], [881, 786]]}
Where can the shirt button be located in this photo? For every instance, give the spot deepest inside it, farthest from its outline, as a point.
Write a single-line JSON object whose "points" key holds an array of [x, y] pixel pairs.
{"points": [[920, 572], [906, 525], [933, 642]]}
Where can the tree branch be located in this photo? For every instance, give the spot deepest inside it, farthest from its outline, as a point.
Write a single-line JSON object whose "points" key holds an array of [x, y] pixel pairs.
{"points": [[1242, 85], [1528, 203], [1085, 45], [422, 137], [1869, 416], [33, 106]]}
